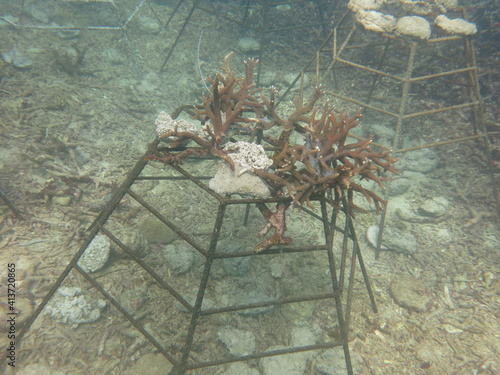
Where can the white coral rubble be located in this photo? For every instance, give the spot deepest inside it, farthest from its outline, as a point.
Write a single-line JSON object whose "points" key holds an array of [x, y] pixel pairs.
{"points": [[166, 124], [415, 26], [246, 157], [376, 21], [455, 26]]}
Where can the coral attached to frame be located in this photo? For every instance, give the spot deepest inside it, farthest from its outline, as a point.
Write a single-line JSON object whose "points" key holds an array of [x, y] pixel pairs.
{"points": [[325, 163]]}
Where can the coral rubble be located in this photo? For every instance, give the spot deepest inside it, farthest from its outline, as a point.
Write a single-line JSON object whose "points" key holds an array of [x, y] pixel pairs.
{"points": [[326, 162]]}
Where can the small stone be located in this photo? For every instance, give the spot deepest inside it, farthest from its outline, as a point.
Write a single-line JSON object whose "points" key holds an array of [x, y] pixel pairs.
{"points": [[65, 33], [283, 7], [61, 201], [302, 336], [410, 293], [179, 257], [289, 364], [237, 341], [248, 44], [114, 57], [356, 5], [398, 186], [254, 296], [151, 364], [277, 269], [96, 255], [449, 5], [17, 59], [423, 161], [135, 241], [331, 362], [156, 231], [289, 79], [434, 207], [148, 25], [239, 266], [38, 13], [399, 241], [298, 313]]}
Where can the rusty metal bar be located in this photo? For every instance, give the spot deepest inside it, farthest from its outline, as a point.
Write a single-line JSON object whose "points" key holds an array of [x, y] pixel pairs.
{"points": [[127, 316], [182, 366], [92, 232], [149, 270], [11, 207]]}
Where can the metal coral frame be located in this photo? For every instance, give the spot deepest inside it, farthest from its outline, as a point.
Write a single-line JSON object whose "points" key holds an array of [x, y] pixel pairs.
{"points": [[341, 283], [333, 55]]}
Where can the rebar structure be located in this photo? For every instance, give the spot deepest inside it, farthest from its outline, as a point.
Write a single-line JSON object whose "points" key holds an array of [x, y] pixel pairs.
{"points": [[396, 63], [183, 13], [338, 270]]}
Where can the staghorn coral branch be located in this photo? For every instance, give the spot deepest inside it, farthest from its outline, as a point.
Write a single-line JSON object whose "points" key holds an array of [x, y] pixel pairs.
{"points": [[326, 162]]}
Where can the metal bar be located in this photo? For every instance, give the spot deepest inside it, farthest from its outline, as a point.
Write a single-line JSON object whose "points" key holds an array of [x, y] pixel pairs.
{"points": [[371, 70], [168, 223], [149, 270], [182, 367], [379, 66], [436, 144], [11, 207], [443, 74], [437, 110], [362, 104], [357, 254], [275, 302], [405, 92], [127, 316], [329, 236], [271, 353], [93, 230], [179, 34]]}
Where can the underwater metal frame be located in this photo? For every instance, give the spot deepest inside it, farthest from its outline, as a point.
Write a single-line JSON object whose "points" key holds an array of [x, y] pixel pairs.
{"points": [[340, 296]]}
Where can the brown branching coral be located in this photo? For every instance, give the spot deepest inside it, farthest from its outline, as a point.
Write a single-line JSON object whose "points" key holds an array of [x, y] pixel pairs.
{"points": [[229, 97], [327, 162]]}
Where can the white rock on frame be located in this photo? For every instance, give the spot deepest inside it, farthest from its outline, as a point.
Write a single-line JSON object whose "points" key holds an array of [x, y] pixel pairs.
{"points": [[449, 5], [227, 181], [414, 26], [375, 21], [166, 124], [455, 26], [246, 158]]}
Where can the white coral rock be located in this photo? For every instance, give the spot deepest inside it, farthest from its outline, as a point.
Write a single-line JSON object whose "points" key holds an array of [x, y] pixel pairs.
{"points": [[356, 5], [414, 26], [246, 157], [166, 124], [455, 26], [376, 21]]}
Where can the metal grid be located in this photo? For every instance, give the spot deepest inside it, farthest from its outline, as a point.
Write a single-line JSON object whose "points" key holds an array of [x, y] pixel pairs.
{"points": [[121, 15], [372, 60], [341, 279]]}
